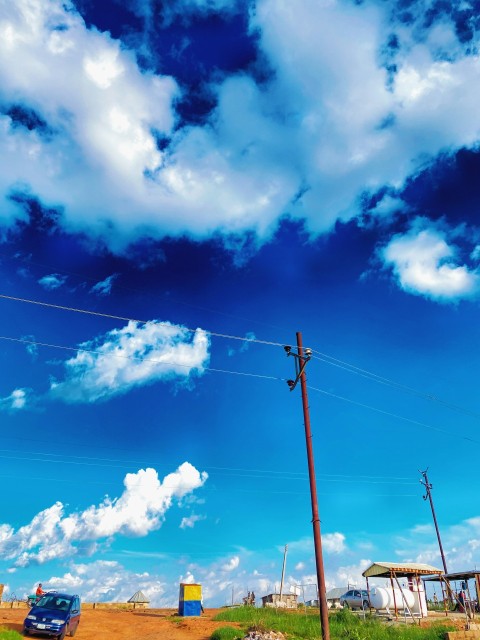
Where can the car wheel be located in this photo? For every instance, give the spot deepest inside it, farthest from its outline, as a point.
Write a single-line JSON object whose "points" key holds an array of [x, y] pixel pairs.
{"points": [[73, 630], [366, 605], [63, 634], [345, 604], [25, 632]]}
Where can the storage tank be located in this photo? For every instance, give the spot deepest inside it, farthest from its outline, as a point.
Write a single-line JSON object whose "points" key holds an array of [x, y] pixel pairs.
{"points": [[383, 598]]}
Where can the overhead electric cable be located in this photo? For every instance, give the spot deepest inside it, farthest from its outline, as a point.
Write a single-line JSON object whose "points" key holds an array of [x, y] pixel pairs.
{"points": [[393, 415], [353, 480], [204, 487], [331, 360], [207, 467], [161, 362], [335, 362], [127, 319], [240, 373]]}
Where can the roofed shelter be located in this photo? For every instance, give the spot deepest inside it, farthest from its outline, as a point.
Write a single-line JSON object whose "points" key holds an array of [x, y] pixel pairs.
{"points": [[412, 571], [470, 605], [139, 600]]}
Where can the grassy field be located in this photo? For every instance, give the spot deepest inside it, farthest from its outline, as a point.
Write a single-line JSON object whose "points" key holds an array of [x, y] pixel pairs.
{"points": [[344, 625]]}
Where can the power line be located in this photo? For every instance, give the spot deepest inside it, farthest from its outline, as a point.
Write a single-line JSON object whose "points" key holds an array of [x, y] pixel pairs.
{"points": [[365, 373], [327, 359], [239, 373], [393, 415], [101, 462], [127, 319], [206, 488], [117, 355]]}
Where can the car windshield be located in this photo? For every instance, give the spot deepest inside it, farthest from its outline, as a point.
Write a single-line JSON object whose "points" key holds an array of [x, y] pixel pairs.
{"points": [[54, 603]]}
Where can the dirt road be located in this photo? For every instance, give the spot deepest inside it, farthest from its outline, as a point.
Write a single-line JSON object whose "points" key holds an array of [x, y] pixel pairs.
{"points": [[151, 624]]}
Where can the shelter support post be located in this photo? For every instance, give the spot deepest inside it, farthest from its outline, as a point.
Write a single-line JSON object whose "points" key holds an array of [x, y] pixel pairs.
{"points": [[403, 596], [394, 598]]}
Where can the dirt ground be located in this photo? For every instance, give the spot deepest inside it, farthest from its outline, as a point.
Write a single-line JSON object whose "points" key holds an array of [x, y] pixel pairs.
{"points": [[151, 624]]}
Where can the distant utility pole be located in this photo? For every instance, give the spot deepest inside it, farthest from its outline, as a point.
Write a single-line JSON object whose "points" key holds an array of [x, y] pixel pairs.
{"points": [[283, 570], [429, 487], [301, 359]]}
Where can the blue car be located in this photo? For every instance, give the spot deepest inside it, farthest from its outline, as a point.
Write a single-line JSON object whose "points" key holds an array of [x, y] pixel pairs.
{"points": [[54, 615]]}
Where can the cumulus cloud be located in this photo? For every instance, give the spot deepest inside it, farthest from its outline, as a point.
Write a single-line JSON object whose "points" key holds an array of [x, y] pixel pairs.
{"points": [[140, 509], [308, 142], [109, 581], [182, 10], [189, 521], [52, 281], [232, 564], [425, 263], [104, 287], [460, 543], [135, 355], [333, 542], [16, 401]]}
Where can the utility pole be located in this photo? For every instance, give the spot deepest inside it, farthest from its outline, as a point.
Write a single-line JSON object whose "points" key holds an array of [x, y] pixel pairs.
{"points": [[283, 570], [429, 487], [301, 360]]}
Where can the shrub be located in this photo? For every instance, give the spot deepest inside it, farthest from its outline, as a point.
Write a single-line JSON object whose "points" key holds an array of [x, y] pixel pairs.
{"points": [[226, 633]]}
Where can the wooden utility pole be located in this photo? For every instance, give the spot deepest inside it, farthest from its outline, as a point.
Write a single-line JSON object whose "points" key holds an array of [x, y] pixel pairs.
{"points": [[429, 487], [283, 570], [301, 360]]}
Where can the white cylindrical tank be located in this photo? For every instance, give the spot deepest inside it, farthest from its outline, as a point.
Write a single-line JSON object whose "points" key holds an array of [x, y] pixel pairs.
{"points": [[383, 598]]}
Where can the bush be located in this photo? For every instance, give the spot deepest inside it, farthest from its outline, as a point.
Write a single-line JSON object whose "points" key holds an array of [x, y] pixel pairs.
{"points": [[226, 633]]}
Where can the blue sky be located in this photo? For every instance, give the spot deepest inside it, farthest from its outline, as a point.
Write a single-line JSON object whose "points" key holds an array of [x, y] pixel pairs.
{"points": [[208, 178]]}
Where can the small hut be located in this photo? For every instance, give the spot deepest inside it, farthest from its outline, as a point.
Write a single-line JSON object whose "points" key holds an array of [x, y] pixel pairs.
{"points": [[139, 601], [284, 601]]}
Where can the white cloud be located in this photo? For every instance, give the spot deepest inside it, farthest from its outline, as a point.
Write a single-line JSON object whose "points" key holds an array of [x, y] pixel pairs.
{"points": [[139, 510], [333, 542], [104, 287], [232, 564], [16, 401], [190, 521], [181, 10], [308, 142], [348, 575], [109, 581], [426, 264], [52, 281], [135, 355]]}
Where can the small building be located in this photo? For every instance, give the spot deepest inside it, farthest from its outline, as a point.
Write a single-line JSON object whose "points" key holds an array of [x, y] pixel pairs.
{"points": [[285, 601], [139, 601], [333, 597]]}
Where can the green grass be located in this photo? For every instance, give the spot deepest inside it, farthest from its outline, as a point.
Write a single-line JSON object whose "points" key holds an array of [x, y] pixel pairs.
{"points": [[8, 634], [227, 633], [344, 625]]}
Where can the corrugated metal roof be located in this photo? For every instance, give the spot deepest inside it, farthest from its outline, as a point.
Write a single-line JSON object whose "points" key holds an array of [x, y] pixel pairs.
{"points": [[139, 597], [461, 575], [384, 569]]}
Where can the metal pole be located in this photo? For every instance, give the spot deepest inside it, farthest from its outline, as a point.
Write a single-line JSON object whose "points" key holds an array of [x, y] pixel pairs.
{"points": [[322, 595], [428, 487]]}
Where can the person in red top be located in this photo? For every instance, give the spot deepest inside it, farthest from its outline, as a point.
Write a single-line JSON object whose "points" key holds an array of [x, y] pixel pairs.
{"points": [[39, 592]]}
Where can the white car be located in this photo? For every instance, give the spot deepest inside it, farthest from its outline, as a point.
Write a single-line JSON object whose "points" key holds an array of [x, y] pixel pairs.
{"points": [[355, 599]]}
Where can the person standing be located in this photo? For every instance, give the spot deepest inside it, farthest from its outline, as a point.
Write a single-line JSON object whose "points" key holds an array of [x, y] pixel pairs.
{"points": [[39, 592]]}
